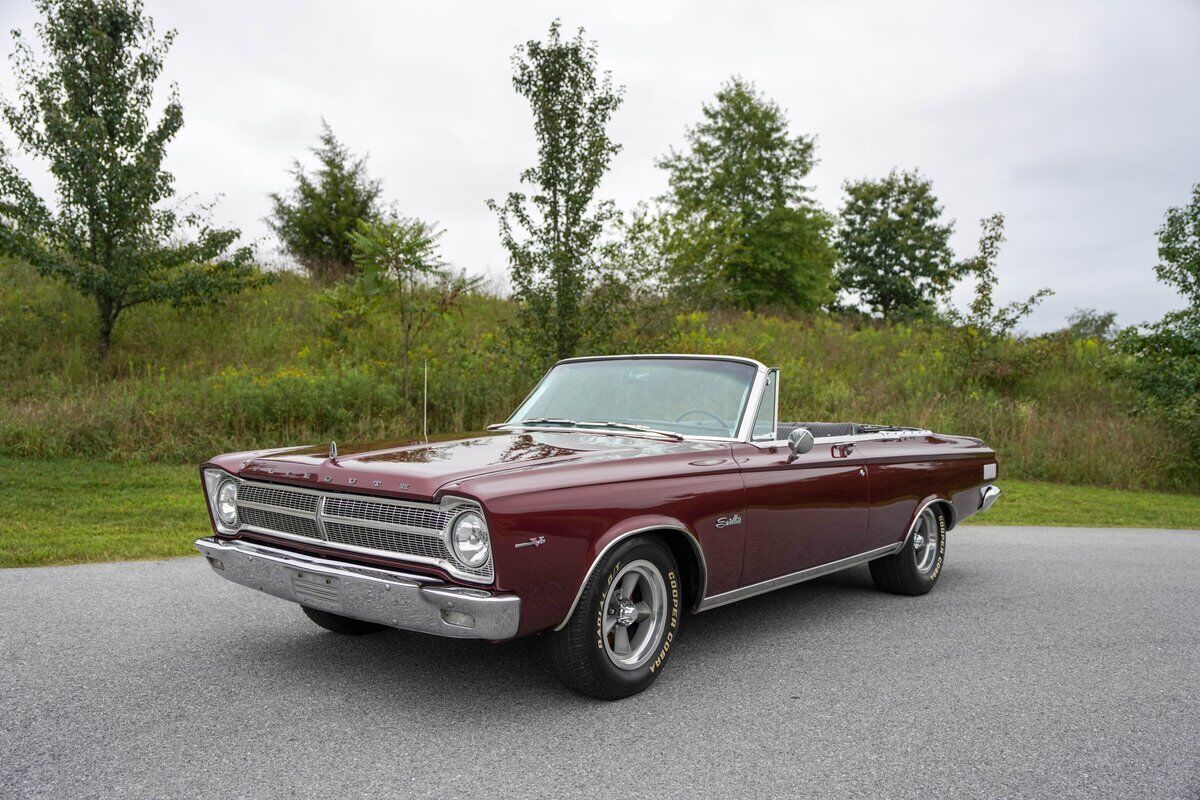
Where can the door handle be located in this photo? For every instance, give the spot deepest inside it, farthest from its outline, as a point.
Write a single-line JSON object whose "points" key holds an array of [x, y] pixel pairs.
{"points": [[862, 471]]}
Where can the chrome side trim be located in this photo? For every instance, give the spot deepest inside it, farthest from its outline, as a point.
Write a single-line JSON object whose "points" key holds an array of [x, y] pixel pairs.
{"points": [[771, 584], [587, 577], [388, 597], [988, 496]]}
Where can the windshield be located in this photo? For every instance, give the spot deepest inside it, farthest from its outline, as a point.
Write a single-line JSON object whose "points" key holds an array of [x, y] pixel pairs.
{"points": [[693, 397]]}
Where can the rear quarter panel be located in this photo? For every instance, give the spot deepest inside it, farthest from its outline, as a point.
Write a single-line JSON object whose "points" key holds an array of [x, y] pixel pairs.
{"points": [[906, 473]]}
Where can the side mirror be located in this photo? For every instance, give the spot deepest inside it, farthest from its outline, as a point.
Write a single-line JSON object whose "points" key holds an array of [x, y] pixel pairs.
{"points": [[800, 441]]}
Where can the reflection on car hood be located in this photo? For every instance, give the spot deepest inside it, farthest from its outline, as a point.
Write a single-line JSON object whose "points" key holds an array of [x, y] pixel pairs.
{"points": [[419, 468]]}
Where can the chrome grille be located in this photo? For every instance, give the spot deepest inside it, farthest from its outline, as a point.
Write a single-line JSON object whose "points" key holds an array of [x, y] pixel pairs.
{"points": [[414, 531], [428, 518], [285, 523], [270, 496]]}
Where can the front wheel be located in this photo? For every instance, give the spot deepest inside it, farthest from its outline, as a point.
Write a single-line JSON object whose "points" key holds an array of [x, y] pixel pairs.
{"points": [[618, 639], [915, 569]]}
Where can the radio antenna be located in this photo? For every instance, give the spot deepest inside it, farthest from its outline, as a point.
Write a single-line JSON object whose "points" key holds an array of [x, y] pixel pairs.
{"points": [[425, 405]]}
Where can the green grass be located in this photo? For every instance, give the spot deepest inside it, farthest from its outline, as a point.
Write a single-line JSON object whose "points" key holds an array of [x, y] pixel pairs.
{"points": [[1034, 503], [75, 511]]}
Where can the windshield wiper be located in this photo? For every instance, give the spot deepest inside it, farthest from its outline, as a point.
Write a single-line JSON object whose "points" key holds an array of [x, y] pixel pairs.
{"points": [[533, 421], [629, 426], [594, 423]]}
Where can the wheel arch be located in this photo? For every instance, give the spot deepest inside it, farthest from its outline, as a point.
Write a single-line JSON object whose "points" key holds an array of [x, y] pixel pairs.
{"points": [[682, 543], [941, 503]]}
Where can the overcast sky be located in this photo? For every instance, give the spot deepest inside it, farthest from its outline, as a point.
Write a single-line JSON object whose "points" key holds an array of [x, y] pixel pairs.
{"points": [[1079, 121]]}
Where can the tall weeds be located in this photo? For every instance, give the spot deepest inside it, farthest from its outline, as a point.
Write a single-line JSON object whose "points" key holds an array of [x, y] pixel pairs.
{"points": [[259, 371]]}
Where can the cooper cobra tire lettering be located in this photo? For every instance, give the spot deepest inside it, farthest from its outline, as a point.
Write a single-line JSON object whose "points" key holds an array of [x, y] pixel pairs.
{"points": [[674, 623], [937, 566]]}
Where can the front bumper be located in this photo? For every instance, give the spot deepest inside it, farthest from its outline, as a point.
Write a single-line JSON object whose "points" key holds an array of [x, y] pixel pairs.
{"points": [[397, 599]]}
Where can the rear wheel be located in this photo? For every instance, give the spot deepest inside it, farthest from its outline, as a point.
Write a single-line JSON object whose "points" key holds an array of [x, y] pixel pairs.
{"points": [[916, 568], [618, 639], [347, 626]]}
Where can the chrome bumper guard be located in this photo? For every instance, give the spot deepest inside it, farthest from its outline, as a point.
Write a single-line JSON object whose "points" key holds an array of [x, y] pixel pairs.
{"points": [[397, 599], [988, 496]]}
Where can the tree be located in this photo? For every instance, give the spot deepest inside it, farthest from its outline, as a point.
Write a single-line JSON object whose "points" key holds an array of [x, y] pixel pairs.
{"points": [[1179, 250], [313, 220], [894, 250], [552, 236], [1088, 323], [402, 268], [984, 336], [745, 231], [1164, 358], [984, 315], [84, 109]]}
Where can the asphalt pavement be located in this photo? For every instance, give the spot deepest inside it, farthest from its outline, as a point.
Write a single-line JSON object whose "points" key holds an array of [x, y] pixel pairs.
{"points": [[1048, 662]]}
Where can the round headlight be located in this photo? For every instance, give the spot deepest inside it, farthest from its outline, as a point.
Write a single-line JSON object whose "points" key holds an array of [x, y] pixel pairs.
{"points": [[469, 537], [227, 503]]}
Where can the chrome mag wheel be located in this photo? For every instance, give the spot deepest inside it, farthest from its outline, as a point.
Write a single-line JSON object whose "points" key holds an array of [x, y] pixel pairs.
{"points": [[925, 541], [635, 611]]}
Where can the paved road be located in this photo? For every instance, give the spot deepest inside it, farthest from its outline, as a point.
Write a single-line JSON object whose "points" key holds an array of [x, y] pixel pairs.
{"points": [[1048, 663]]}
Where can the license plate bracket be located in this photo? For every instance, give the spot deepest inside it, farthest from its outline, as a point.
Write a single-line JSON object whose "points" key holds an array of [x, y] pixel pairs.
{"points": [[318, 591]]}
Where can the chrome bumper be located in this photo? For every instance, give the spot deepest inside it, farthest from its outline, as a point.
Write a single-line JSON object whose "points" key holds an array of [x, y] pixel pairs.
{"points": [[397, 599], [988, 496]]}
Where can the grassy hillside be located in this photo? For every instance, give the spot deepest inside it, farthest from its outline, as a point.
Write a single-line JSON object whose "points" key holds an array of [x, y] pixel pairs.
{"points": [[268, 368]]}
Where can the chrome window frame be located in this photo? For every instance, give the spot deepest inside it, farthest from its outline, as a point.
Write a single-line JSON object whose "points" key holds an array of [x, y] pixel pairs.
{"points": [[774, 411], [745, 424]]}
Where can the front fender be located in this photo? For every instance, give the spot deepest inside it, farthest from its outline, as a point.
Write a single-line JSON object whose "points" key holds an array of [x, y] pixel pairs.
{"points": [[625, 529]]}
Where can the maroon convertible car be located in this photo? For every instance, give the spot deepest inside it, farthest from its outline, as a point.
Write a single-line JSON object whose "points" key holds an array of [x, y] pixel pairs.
{"points": [[623, 492]]}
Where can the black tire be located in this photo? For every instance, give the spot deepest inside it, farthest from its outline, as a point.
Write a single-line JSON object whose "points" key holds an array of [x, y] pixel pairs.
{"points": [[901, 573], [348, 626], [583, 653]]}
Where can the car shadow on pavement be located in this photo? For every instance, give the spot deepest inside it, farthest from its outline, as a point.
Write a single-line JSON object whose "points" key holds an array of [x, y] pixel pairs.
{"points": [[433, 673]]}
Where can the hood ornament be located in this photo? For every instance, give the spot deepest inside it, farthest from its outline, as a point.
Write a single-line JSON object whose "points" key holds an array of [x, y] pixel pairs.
{"points": [[333, 451]]}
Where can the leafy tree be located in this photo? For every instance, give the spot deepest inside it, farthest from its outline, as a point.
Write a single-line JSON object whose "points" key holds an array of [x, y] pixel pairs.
{"points": [[84, 109], [744, 229], [1164, 358], [401, 269], [313, 220], [552, 236], [894, 250], [984, 315], [984, 335], [1179, 251], [1088, 323]]}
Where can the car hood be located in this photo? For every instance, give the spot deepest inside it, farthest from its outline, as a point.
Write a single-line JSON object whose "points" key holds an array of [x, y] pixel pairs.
{"points": [[420, 469]]}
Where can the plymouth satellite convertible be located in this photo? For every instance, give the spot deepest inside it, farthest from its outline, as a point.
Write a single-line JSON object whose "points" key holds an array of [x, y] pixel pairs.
{"points": [[623, 492]]}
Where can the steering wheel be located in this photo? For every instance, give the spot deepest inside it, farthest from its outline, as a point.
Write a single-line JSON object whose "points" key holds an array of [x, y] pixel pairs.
{"points": [[722, 422]]}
